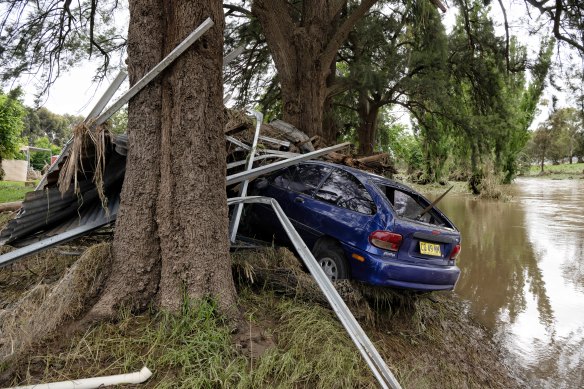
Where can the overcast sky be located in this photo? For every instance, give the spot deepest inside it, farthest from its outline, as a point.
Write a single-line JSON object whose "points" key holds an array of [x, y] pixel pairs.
{"points": [[74, 92]]}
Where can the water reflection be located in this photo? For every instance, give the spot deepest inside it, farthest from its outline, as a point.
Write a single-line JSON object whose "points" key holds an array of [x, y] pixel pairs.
{"points": [[523, 274]]}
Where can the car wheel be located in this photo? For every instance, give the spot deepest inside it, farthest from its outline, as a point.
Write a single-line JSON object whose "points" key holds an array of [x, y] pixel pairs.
{"points": [[331, 259]]}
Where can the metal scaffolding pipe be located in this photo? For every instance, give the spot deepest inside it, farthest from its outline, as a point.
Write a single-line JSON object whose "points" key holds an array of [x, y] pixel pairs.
{"points": [[376, 363]]}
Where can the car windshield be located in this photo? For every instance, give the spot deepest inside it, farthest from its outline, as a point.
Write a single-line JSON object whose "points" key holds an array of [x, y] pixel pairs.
{"points": [[301, 178], [344, 190], [410, 206]]}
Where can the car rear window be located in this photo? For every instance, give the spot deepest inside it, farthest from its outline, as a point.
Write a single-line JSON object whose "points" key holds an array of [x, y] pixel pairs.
{"points": [[343, 189], [409, 206]]}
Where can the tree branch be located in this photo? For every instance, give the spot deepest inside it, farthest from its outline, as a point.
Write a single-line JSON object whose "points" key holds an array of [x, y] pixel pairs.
{"points": [[236, 8], [506, 34], [343, 31], [557, 33], [555, 13], [278, 27]]}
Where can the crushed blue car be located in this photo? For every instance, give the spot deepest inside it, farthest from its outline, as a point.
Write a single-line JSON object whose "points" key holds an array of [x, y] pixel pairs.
{"points": [[362, 226]]}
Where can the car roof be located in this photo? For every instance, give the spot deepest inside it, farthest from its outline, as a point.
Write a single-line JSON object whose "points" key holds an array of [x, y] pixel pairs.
{"points": [[364, 175]]}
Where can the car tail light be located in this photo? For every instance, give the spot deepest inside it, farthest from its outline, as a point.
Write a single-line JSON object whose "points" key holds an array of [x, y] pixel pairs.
{"points": [[455, 252], [386, 240]]}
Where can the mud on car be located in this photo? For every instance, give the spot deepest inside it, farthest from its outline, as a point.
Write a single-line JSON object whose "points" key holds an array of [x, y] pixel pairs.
{"points": [[361, 226]]}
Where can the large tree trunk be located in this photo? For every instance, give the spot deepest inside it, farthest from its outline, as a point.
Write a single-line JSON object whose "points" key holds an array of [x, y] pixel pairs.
{"points": [[367, 130], [304, 41], [303, 102], [171, 231]]}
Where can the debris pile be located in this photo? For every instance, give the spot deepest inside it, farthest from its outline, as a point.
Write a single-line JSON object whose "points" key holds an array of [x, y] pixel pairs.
{"points": [[281, 139]]}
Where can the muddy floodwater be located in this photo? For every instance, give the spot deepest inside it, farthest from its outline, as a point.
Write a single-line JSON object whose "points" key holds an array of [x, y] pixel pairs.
{"points": [[523, 275]]}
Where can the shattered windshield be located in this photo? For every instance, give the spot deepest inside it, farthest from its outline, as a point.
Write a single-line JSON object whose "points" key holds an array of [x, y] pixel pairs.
{"points": [[409, 206]]}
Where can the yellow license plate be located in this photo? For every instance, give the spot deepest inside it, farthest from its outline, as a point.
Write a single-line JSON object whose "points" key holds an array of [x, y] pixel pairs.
{"points": [[430, 249]]}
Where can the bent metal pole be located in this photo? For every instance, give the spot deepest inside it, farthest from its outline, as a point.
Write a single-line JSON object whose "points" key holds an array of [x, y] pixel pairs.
{"points": [[370, 354]]}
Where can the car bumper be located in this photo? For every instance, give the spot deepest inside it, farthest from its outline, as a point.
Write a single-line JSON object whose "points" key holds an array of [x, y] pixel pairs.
{"points": [[383, 271]]}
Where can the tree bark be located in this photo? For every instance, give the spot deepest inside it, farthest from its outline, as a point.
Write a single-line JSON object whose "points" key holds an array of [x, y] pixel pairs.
{"points": [[192, 202], [303, 44], [367, 130], [171, 230]]}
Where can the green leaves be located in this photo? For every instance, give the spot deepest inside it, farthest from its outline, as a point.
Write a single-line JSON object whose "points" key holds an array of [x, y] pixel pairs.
{"points": [[12, 113]]}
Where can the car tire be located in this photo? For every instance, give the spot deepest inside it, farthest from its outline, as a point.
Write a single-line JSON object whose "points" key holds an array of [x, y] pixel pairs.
{"points": [[331, 259]]}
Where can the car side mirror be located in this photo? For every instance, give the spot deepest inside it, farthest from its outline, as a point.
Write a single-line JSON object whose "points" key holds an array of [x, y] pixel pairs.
{"points": [[261, 183]]}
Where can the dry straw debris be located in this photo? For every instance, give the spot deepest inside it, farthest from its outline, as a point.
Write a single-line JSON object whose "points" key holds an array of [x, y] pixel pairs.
{"points": [[86, 135], [40, 312]]}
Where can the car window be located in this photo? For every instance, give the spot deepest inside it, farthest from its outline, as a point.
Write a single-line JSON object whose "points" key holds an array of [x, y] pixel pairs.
{"points": [[306, 178], [407, 205], [283, 178], [343, 189]]}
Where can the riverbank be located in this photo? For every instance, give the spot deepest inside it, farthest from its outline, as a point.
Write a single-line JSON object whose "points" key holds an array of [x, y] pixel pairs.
{"points": [[564, 171], [427, 340]]}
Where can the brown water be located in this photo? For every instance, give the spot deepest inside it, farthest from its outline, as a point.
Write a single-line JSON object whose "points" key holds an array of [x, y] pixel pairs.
{"points": [[523, 273]]}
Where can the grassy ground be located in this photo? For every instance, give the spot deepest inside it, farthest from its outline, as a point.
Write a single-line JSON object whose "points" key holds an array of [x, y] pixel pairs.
{"points": [[428, 341], [562, 171], [13, 191], [436, 189]]}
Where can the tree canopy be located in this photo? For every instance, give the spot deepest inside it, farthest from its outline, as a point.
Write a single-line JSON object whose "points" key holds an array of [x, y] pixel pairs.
{"points": [[46, 37], [12, 115]]}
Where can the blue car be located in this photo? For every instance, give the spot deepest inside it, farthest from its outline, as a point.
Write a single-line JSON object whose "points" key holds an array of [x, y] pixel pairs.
{"points": [[362, 226]]}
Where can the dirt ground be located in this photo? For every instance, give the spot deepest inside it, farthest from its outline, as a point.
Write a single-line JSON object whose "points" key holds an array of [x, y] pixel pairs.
{"points": [[428, 340]]}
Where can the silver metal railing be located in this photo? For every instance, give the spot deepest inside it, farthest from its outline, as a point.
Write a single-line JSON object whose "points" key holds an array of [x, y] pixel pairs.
{"points": [[375, 362]]}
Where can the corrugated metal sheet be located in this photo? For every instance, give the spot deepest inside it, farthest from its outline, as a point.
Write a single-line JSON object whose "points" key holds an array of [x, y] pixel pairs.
{"points": [[47, 213]]}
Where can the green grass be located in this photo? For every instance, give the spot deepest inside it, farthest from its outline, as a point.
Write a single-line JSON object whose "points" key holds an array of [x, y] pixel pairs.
{"points": [[195, 350], [428, 341], [565, 170], [13, 191]]}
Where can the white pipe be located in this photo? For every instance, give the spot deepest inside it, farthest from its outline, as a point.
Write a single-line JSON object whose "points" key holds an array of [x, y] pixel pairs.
{"points": [[95, 382]]}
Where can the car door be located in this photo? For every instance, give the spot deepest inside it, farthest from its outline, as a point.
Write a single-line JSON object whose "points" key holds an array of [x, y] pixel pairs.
{"points": [[340, 207], [299, 205], [291, 188]]}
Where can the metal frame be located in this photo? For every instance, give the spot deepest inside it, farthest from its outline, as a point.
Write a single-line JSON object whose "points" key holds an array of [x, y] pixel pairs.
{"points": [[231, 165], [372, 357], [253, 173], [275, 141], [236, 216], [237, 142], [44, 244], [155, 71]]}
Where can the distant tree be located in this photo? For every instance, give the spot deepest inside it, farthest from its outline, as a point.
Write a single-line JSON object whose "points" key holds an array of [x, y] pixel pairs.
{"points": [[12, 115], [41, 159], [541, 144], [32, 126], [565, 125], [119, 122], [579, 150], [546, 142], [522, 99], [489, 105], [388, 55], [41, 122], [303, 39]]}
